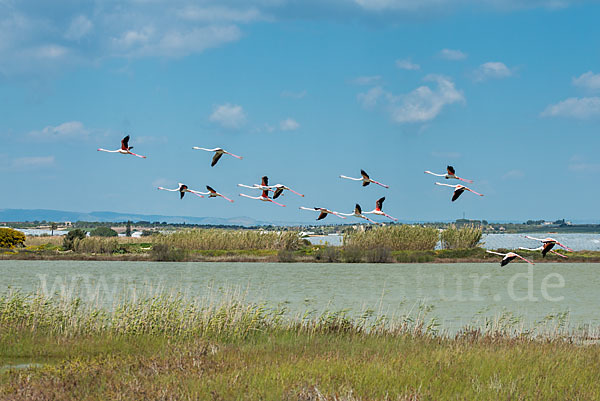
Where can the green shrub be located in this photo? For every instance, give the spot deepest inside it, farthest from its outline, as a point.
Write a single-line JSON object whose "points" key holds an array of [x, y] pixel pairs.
{"points": [[414, 256], [10, 238], [328, 254], [103, 232], [71, 237], [96, 245], [379, 255], [285, 255], [352, 254], [165, 253]]}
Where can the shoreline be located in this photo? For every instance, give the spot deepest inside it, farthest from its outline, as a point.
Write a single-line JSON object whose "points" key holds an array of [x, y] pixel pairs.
{"points": [[398, 257]]}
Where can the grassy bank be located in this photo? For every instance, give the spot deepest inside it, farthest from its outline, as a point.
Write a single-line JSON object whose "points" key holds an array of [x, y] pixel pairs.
{"points": [[390, 244], [312, 254], [170, 348]]}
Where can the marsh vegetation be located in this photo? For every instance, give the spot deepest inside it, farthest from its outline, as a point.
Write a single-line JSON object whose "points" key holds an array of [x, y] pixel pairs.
{"points": [[388, 244], [171, 347]]}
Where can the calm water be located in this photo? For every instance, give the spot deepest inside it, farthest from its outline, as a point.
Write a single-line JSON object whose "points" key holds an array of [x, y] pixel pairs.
{"points": [[578, 242], [458, 293]]}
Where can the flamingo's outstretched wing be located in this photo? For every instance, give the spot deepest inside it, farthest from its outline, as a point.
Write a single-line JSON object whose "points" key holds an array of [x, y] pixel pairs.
{"points": [[457, 193], [216, 158]]}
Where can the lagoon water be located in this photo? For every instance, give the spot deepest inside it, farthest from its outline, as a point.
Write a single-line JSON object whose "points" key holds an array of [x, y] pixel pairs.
{"points": [[577, 242], [456, 294]]}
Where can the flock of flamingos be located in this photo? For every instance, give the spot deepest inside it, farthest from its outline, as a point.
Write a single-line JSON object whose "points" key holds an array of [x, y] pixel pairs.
{"points": [[547, 244]]}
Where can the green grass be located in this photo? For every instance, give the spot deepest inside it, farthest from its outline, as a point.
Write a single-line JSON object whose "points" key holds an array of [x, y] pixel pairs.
{"points": [[172, 348], [282, 365]]}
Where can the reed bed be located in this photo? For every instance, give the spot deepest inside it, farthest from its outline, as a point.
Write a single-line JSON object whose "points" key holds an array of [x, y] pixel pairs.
{"points": [[170, 347], [465, 237], [96, 245], [215, 239], [55, 240], [394, 238], [228, 316]]}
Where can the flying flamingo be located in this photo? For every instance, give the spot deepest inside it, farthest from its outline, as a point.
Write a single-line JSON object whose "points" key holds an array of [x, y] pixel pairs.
{"points": [[358, 213], [182, 190], [279, 188], [450, 174], [365, 179], [213, 194], [458, 190], [324, 212], [509, 257], [125, 148], [547, 245], [264, 197], [379, 209], [218, 153], [264, 185]]}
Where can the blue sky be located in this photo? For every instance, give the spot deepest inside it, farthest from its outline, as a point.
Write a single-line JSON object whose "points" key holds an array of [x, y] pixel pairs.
{"points": [[305, 91]]}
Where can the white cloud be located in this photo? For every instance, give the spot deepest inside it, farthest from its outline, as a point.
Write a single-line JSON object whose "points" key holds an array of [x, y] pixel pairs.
{"points": [[370, 99], [419, 106], [579, 108], [31, 163], [446, 155], [132, 29], [294, 95], [64, 131], [436, 5], [158, 28], [492, 70], [229, 116], [590, 168], [589, 81], [513, 175], [424, 104], [366, 80], [406, 64], [454, 55], [148, 42], [402, 5], [289, 124], [80, 27], [219, 13]]}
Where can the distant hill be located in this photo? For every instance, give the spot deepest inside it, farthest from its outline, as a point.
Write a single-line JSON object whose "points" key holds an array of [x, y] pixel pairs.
{"points": [[23, 215]]}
